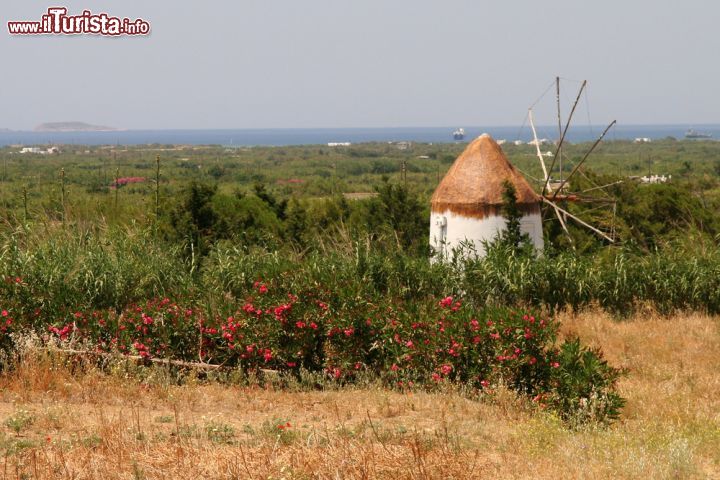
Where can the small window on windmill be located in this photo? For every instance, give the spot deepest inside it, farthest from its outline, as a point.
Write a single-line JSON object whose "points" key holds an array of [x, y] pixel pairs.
{"points": [[442, 223]]}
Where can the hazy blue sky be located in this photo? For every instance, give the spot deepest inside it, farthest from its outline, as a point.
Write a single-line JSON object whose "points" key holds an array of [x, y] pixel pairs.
{"points": [[354, 63]]}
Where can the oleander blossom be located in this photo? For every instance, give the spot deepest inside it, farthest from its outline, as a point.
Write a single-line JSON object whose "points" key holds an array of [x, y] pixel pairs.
{"points": [[446, 341]]}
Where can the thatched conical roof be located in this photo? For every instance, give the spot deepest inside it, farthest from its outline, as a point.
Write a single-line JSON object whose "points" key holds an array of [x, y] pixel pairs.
{"points": [[474, 185]]}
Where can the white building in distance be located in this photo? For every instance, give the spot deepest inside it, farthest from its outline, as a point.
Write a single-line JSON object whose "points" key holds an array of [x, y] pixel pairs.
{"points": [[31, 150], [466, 208]]}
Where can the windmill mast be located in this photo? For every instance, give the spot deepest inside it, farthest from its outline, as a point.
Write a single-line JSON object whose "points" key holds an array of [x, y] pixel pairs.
{"points": [[537, 147], [560, 132], [552, 193], [564, 132]]}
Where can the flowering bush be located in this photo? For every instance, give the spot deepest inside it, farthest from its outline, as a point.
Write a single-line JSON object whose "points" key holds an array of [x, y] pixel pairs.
{"points": [[354, 337], [271, 330], [424, 344], [454, 343], [7, 326]]}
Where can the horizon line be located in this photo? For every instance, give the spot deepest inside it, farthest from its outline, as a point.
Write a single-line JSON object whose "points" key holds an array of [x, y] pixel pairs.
{"points": [[120, 129]]}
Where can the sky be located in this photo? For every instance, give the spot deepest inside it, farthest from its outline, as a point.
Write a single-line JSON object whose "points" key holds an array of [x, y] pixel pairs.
{"points": [[365, 63]]}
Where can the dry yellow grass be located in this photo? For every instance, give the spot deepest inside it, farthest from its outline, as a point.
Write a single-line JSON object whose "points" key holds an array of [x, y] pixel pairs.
{"points": [[103, 426]]}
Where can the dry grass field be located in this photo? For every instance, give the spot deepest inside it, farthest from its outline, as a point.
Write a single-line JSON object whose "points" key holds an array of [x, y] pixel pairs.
{"points": [[91, 425]]}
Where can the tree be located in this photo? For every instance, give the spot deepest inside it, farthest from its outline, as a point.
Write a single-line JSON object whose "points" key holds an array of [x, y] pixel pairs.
{"points": [[396, 207], [272, 202], [296, 223], [245, 219], [193, 217], [512, 236]]}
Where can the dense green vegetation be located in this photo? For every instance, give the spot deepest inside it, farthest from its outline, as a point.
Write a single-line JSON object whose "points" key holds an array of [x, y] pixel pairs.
{"points": [[298, 192], [365, 311], [339, 237]]}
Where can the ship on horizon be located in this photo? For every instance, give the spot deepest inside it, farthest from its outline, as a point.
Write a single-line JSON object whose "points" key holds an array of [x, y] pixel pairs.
{"points": [[695, 134], [459, 134]]}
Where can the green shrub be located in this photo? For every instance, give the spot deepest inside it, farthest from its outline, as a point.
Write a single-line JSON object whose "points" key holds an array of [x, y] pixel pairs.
{"points": [[583, 386]]}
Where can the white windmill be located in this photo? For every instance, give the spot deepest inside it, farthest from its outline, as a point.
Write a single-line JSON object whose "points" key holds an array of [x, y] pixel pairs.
{"points": [[467, 205]]}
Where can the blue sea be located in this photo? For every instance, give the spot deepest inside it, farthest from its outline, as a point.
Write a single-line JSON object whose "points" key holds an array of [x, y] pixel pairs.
{"points": [[317, 136]]}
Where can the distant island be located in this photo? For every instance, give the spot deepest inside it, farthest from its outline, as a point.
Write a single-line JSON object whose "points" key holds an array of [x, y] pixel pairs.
{"points": [[72, 127]]}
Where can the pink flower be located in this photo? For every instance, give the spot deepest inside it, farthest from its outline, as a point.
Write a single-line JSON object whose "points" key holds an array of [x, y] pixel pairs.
{"points": [[555, 365], [446, 369], [5, 313], [260, 287], [485, 383], [280, 310], [291, 364], [446, 302], [394, 368], [409, 344]]}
